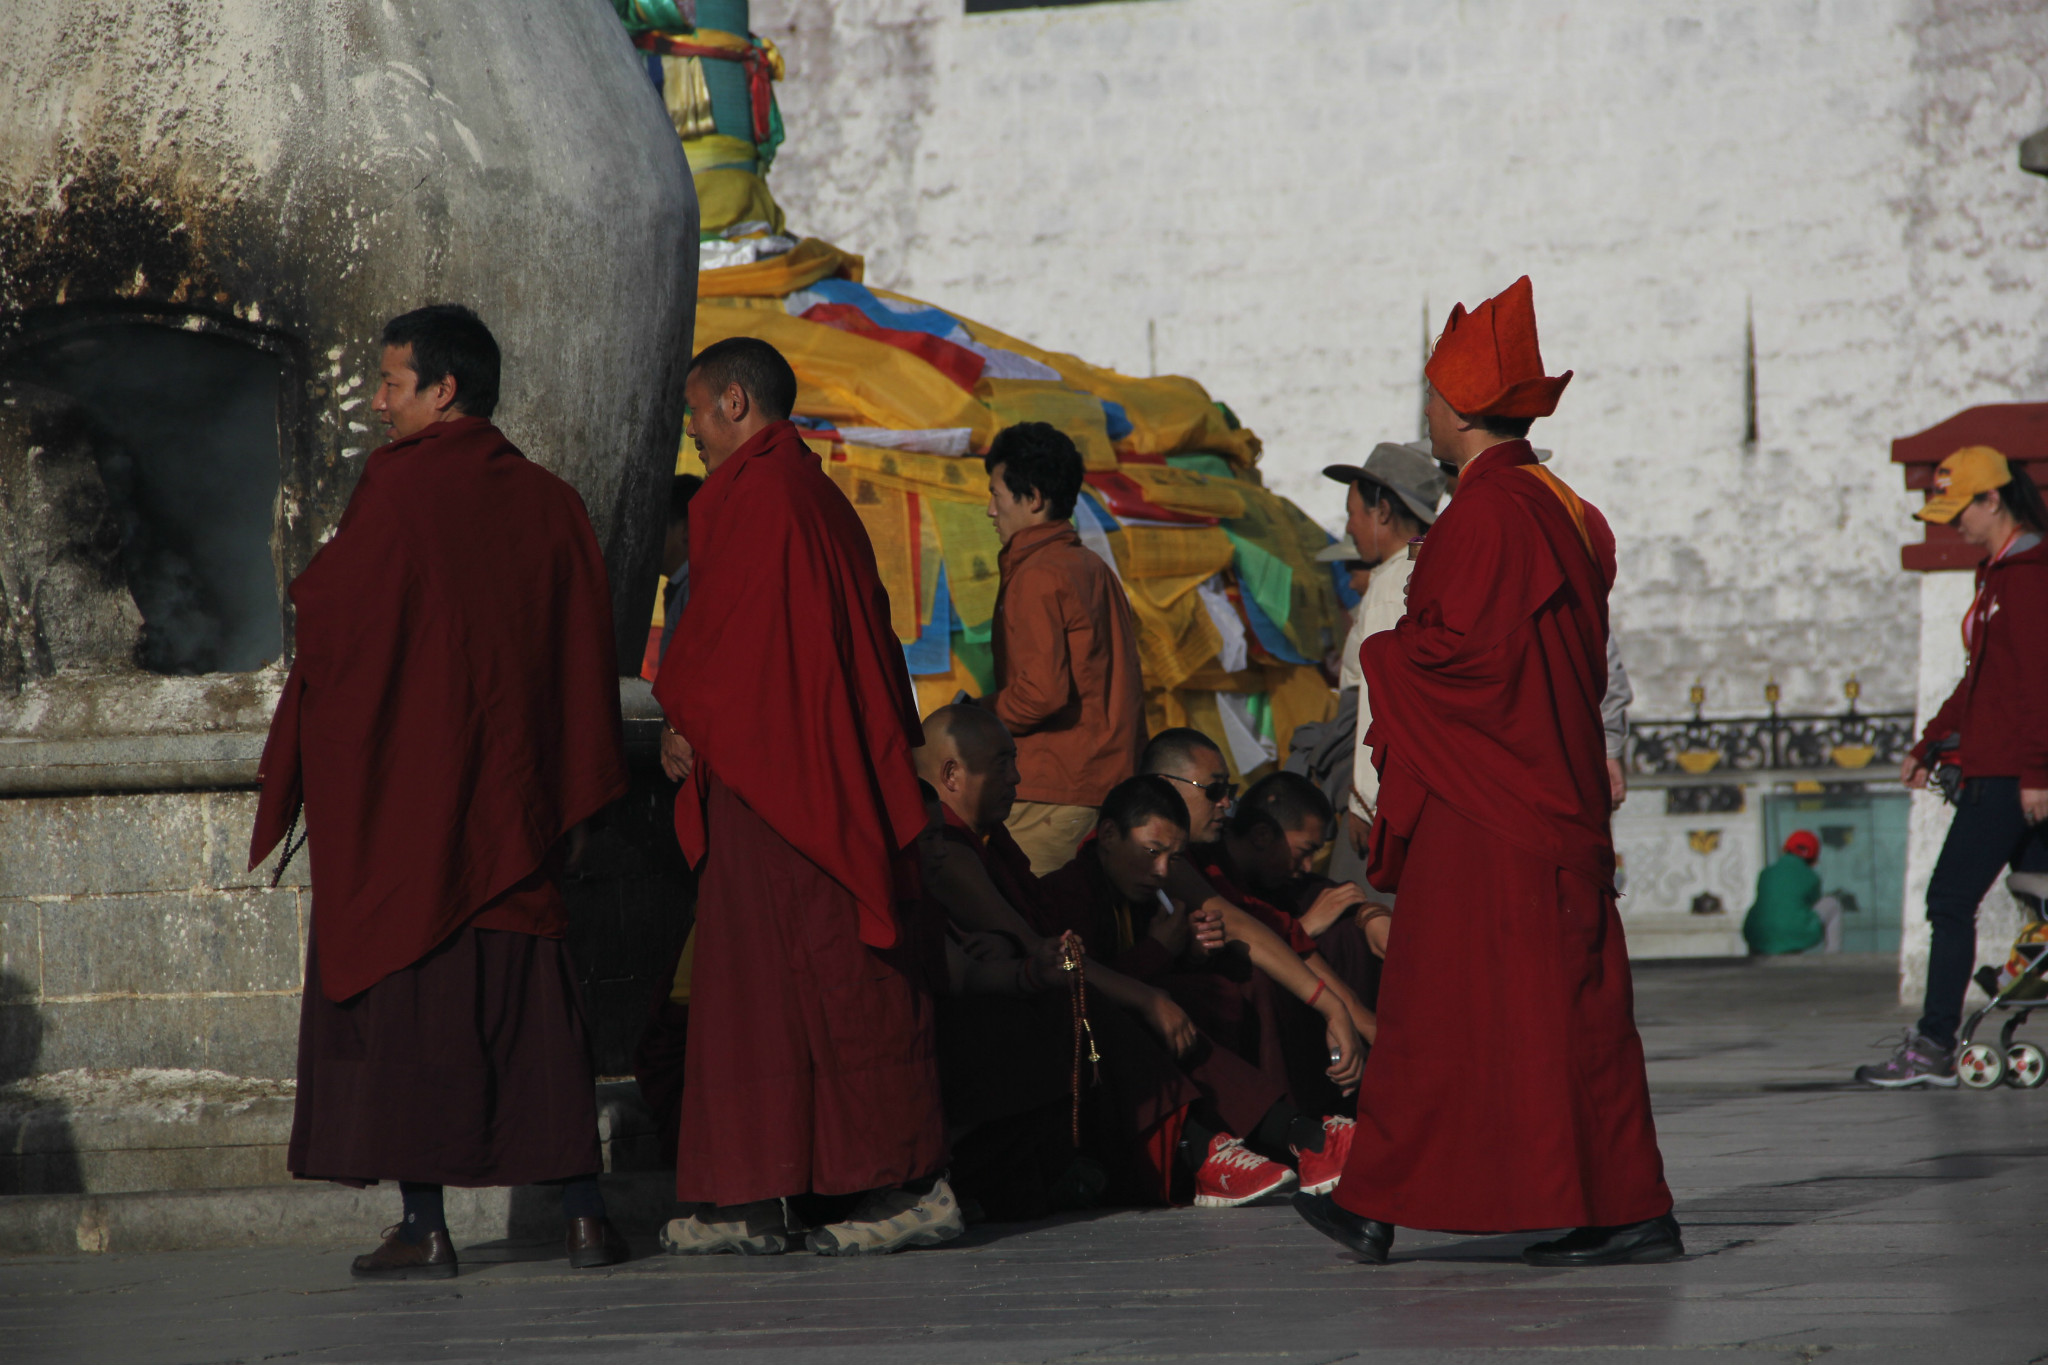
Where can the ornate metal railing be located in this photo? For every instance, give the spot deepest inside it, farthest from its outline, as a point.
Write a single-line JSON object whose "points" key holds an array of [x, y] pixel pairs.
{"points": [[1849, 741]]}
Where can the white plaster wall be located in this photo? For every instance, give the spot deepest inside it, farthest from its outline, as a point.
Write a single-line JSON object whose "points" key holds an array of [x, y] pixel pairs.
{"points": [[1281, 199], [1943, 598], [1661, 872]]}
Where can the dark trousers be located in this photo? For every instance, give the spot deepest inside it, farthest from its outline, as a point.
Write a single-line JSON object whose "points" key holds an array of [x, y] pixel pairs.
{"points": [[1989, 834]]}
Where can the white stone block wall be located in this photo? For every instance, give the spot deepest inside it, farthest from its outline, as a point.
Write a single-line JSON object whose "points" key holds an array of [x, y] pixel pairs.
{"points": [[1662, 871], [1282, 199]]}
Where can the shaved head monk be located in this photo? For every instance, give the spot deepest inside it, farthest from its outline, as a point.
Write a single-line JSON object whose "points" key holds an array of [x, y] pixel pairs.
{"points": [[809, 1064], [1492, 824], [450, 720]]}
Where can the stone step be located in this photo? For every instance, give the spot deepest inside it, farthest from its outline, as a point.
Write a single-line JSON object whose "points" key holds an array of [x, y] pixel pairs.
{"points": [[124, 1132], [303, 1214], [1679, 934]]}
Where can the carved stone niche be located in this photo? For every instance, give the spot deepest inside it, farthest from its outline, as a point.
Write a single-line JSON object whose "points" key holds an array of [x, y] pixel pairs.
{"points": [[208, 210]]}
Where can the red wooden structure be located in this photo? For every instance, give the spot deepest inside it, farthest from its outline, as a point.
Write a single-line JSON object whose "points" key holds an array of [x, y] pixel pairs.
{"points": [[2019, 431]]}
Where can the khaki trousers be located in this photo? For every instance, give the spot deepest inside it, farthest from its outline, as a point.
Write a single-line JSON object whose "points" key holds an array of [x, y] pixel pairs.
{"points": [[1050, 835]]}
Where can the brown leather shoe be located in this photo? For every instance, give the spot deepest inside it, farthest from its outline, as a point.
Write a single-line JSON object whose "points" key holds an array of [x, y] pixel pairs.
{"points": [[430, 1258], [594, 1242]]}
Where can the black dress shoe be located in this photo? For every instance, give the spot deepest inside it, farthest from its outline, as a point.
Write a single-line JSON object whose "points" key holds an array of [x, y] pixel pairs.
{"points": [[1368, 1238], [594, 1242], [1632, 1244], [430, 1258]]}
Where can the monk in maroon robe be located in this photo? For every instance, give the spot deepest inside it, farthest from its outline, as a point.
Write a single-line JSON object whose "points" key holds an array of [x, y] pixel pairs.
{"points": [[809, 1064], [1493, 827], [450, 720]]}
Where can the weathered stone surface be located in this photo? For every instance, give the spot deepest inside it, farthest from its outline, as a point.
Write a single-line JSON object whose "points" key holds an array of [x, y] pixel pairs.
{"points": [[21, 957], [289, 177], [115, 845], [130, 762], [131, 935], [116, 1131], [222, 941], [246, 1035], [149, 1129]]}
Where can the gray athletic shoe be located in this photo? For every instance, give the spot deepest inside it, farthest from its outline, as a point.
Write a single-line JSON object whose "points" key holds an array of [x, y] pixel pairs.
{"points": [[1917, 1062], [890, 1220], [757, 1229]]}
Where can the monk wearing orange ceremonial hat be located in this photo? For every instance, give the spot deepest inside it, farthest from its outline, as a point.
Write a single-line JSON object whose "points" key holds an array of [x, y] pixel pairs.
{"points": [[1493, 826]]}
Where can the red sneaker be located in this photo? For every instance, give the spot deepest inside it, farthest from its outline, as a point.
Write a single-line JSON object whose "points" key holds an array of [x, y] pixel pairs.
{"points": [[1233, 1174], [1320, 1171]]}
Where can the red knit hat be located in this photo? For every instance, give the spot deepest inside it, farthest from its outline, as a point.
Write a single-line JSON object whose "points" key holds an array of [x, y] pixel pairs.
{"points": [[1487, 364], [1803, 844]]}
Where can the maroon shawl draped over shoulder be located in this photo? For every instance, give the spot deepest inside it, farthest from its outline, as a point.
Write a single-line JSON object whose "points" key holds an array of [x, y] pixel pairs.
{"points": [[453, 707], [1487, 694], [786, 677]]}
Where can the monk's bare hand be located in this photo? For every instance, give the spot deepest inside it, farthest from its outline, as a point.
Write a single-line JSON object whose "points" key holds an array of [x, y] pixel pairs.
{"points": [[2034, 804], [1332, 905], [1617, 784], [1042, 966], [1171, 1023], [1913, 773], [1342, 1038], [577, 848], [677, 757], [1207, 922], [1360, 831]]}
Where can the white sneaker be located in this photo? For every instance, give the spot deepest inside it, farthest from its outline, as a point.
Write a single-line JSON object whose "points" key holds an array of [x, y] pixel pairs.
{"points": [[890, 1220], [757, 1229]]}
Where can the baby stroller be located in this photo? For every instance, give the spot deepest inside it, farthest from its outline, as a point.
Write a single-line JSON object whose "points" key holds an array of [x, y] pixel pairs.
{"points": [[2019, 990]]}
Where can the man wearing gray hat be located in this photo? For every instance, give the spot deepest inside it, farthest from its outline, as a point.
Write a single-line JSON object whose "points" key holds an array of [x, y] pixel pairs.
{"points": [[1393, 500]]}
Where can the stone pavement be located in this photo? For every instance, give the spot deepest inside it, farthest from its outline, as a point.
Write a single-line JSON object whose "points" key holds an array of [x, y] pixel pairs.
{"points": [[1822, 1220]]}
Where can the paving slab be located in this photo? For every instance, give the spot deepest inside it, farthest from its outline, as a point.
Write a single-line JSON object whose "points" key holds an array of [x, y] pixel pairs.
{"points": [[1822, 1220]]}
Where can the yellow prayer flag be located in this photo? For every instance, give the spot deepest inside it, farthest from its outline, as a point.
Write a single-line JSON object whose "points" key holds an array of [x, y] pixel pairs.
{"points": [[970, 545]]}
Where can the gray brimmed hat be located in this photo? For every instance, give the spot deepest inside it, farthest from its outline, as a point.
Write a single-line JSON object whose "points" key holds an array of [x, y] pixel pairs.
{"points": [[1408, 471]]}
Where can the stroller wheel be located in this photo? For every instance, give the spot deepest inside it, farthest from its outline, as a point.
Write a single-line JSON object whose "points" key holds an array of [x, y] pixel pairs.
{"points": [[2025, 1066], [1980, 1066]]}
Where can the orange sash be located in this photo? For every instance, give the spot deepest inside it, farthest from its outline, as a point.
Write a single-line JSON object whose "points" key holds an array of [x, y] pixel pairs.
{"points": [[1572, 506]]}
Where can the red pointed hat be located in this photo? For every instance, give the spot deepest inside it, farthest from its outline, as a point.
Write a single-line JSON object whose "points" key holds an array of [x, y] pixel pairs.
{"points": [[1487, 364]]}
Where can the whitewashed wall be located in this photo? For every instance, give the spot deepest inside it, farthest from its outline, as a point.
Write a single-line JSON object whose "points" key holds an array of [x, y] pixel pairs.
{"points": [[1272, 197]]}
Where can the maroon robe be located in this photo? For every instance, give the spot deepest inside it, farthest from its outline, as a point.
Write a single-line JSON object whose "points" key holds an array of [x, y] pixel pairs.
{"points": [[810, 1065], [1493, 827], [452, 710], [1242, 1060], [453, 707], [1299, 1029]]}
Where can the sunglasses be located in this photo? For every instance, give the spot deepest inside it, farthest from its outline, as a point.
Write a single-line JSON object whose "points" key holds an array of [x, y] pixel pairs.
{"points": [[1215, 791]]}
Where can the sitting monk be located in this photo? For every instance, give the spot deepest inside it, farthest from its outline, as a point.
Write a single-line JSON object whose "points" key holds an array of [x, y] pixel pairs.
{"points": [[1337, 949], [1169, 1097], [1114, 895], [1004, 1033]]}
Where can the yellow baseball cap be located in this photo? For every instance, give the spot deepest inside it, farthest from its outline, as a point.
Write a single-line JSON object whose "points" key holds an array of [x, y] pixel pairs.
{"points": [[1960, 478]]}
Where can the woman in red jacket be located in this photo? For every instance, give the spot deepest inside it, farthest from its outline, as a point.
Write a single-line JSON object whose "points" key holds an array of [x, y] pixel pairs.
{"points": [[1994, 728]]}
